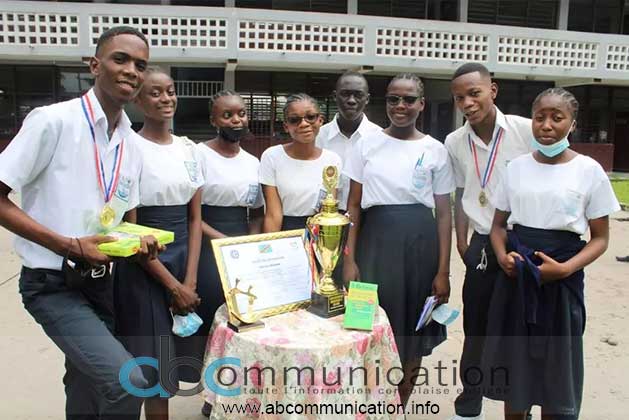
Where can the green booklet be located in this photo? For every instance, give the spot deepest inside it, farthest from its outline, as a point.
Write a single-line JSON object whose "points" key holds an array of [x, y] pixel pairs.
{"points": [[360, 306], [128, 242]]}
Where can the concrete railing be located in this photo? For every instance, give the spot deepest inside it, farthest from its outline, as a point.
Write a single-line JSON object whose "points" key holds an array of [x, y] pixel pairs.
{"points": [[45, 31]]}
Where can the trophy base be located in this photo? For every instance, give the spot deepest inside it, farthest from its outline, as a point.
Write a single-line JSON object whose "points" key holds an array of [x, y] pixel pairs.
{"points": [[327, 306], [239, 326]]}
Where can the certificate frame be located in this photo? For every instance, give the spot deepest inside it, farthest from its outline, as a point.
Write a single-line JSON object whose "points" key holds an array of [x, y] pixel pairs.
{"points": [[221, 263]]}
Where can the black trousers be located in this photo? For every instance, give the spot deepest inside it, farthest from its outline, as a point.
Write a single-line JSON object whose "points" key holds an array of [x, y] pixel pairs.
{"points": [[478, 287], [80, 323]]}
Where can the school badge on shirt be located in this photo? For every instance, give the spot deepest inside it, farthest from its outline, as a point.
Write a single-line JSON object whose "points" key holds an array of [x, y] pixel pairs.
{"points": [[252, 195], [193, 170], [421, 174]]}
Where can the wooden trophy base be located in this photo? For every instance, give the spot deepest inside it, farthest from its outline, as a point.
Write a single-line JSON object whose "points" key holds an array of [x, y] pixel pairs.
{"points": [[327, 306], [239, 326]]}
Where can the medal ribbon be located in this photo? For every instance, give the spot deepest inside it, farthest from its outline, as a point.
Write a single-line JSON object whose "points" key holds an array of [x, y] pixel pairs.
{"points": [[107, 190], [491, 162]]}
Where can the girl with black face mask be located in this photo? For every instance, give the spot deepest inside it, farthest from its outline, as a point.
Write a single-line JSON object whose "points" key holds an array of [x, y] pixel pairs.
{"points": [[231, 198]]}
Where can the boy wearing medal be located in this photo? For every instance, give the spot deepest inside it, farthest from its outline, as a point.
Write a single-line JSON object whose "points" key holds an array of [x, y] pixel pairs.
{"points": [[78, 173], [480, 151]]}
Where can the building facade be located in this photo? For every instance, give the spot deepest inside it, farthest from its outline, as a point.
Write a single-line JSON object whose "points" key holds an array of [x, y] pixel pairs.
{"points": [[269, 48]]}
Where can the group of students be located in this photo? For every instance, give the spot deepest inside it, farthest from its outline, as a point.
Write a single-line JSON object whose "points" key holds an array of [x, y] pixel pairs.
{"points": [[81, 169]]}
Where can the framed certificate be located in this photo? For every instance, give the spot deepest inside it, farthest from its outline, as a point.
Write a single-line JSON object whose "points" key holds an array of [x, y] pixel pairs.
{"points": [[264, 275]]}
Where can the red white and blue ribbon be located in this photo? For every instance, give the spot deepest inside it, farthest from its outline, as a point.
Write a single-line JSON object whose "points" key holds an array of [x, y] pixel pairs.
{"points": [[107, 189], [491, 162]]}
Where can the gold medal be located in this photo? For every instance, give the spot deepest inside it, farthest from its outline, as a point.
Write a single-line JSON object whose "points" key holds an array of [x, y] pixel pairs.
{"points": [[482, 199], [107, 216]]}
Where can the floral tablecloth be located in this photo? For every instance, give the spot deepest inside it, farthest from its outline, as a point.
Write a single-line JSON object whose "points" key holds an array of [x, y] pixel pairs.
{"points": [[300, 359]]}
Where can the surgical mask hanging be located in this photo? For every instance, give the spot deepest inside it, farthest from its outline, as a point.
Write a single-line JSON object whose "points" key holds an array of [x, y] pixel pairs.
{"points": [[186, 325], [233, 135], [551, 150]]}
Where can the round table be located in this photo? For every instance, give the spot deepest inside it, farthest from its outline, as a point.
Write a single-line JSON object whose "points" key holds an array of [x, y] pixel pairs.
{"points": [[297, 359]]}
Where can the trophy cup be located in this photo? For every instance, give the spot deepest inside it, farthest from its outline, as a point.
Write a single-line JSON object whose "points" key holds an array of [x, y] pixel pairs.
{"points": [[328, 230]]}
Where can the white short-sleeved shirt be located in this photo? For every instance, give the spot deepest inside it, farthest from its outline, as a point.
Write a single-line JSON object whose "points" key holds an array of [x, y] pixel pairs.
{"points": [[230, 181], [563, 196], [299, 183], [51, 162], [516, 141], [171, 173], [330, 137], [394, 171]]}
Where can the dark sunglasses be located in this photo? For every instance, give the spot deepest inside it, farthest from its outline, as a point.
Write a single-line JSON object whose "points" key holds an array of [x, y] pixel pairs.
{"points": [[395, 100], [295, 120]]}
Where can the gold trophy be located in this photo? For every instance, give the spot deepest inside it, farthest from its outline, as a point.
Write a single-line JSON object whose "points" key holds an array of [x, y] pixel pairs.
{"points": [[328, 231]]}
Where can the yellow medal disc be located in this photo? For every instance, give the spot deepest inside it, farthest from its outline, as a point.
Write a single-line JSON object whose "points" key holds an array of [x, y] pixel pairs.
{"points": [[482, 199], [107, 216]]}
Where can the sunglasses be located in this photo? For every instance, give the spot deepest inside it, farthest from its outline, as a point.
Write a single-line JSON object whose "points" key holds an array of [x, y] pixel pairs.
{"points": [[395, 100], [295, 120]]}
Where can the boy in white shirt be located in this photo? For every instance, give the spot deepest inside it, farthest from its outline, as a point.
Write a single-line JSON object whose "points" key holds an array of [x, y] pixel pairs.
{"points": [[480, 151], [349, 125], [77, 171]]}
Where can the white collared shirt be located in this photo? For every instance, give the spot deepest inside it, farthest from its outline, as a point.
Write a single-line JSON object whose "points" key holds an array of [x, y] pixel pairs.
{"points": [[564, 196], [394, 171], [171, 173], [51, 162], [299, 182], [330, 137], [516, 141], [230, 181]]}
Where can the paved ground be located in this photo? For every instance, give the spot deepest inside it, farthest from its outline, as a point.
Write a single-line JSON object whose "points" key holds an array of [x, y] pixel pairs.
{"points": [[32, 366]]}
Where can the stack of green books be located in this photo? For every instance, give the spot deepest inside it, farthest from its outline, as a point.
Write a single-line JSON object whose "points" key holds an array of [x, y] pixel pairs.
{"points": [[128, 242], [361, 306]]}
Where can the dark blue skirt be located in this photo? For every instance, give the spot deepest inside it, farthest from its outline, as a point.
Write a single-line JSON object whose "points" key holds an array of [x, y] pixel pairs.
{"points": [[294, 222], [397, 250], [533, 352], [141, 303], [232, 221]]}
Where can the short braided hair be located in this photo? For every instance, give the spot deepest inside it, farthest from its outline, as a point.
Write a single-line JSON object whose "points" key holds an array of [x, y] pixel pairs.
{"points": [[410, 76], [299, 97], [221, 94], [565, 95]]}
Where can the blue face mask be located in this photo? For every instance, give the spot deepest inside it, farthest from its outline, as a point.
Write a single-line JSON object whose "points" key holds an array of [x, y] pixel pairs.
{"points": [[551, 150], [186, 325]]}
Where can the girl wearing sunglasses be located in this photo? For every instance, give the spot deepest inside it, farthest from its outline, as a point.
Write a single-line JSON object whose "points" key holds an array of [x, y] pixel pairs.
{"points": [[398, 176], [291, 174]]}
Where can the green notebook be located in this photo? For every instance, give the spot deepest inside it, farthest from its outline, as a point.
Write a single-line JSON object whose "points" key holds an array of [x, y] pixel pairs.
{"points": [[360, 306], [128, 242]]}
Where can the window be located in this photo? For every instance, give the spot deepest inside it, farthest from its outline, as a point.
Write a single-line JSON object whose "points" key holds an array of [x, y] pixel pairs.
{"points": [[529, 13], [600, 16], [321, 6], [416, 9]]}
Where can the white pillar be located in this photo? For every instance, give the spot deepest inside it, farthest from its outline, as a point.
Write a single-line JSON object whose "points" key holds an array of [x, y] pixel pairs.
{"points": [[463, 8], [352, 7], [230, 3], [564, 11], [230, 79]]}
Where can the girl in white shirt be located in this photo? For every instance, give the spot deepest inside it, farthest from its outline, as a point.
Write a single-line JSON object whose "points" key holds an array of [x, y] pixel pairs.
{"points": [[398, 176], [170, 199], [231, 198], [537, 312], [291, 174]]}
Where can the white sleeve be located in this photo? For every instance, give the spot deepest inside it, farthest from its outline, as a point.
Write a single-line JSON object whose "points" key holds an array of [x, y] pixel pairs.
{"points": [[200, 160], [267, 168], [500, 198], [443, 176], [601, 200], [30, 151], [355, 164], [457, 168]]}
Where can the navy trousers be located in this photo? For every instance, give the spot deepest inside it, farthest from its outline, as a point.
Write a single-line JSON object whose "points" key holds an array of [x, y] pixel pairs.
{"points": [[80, 322]]}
